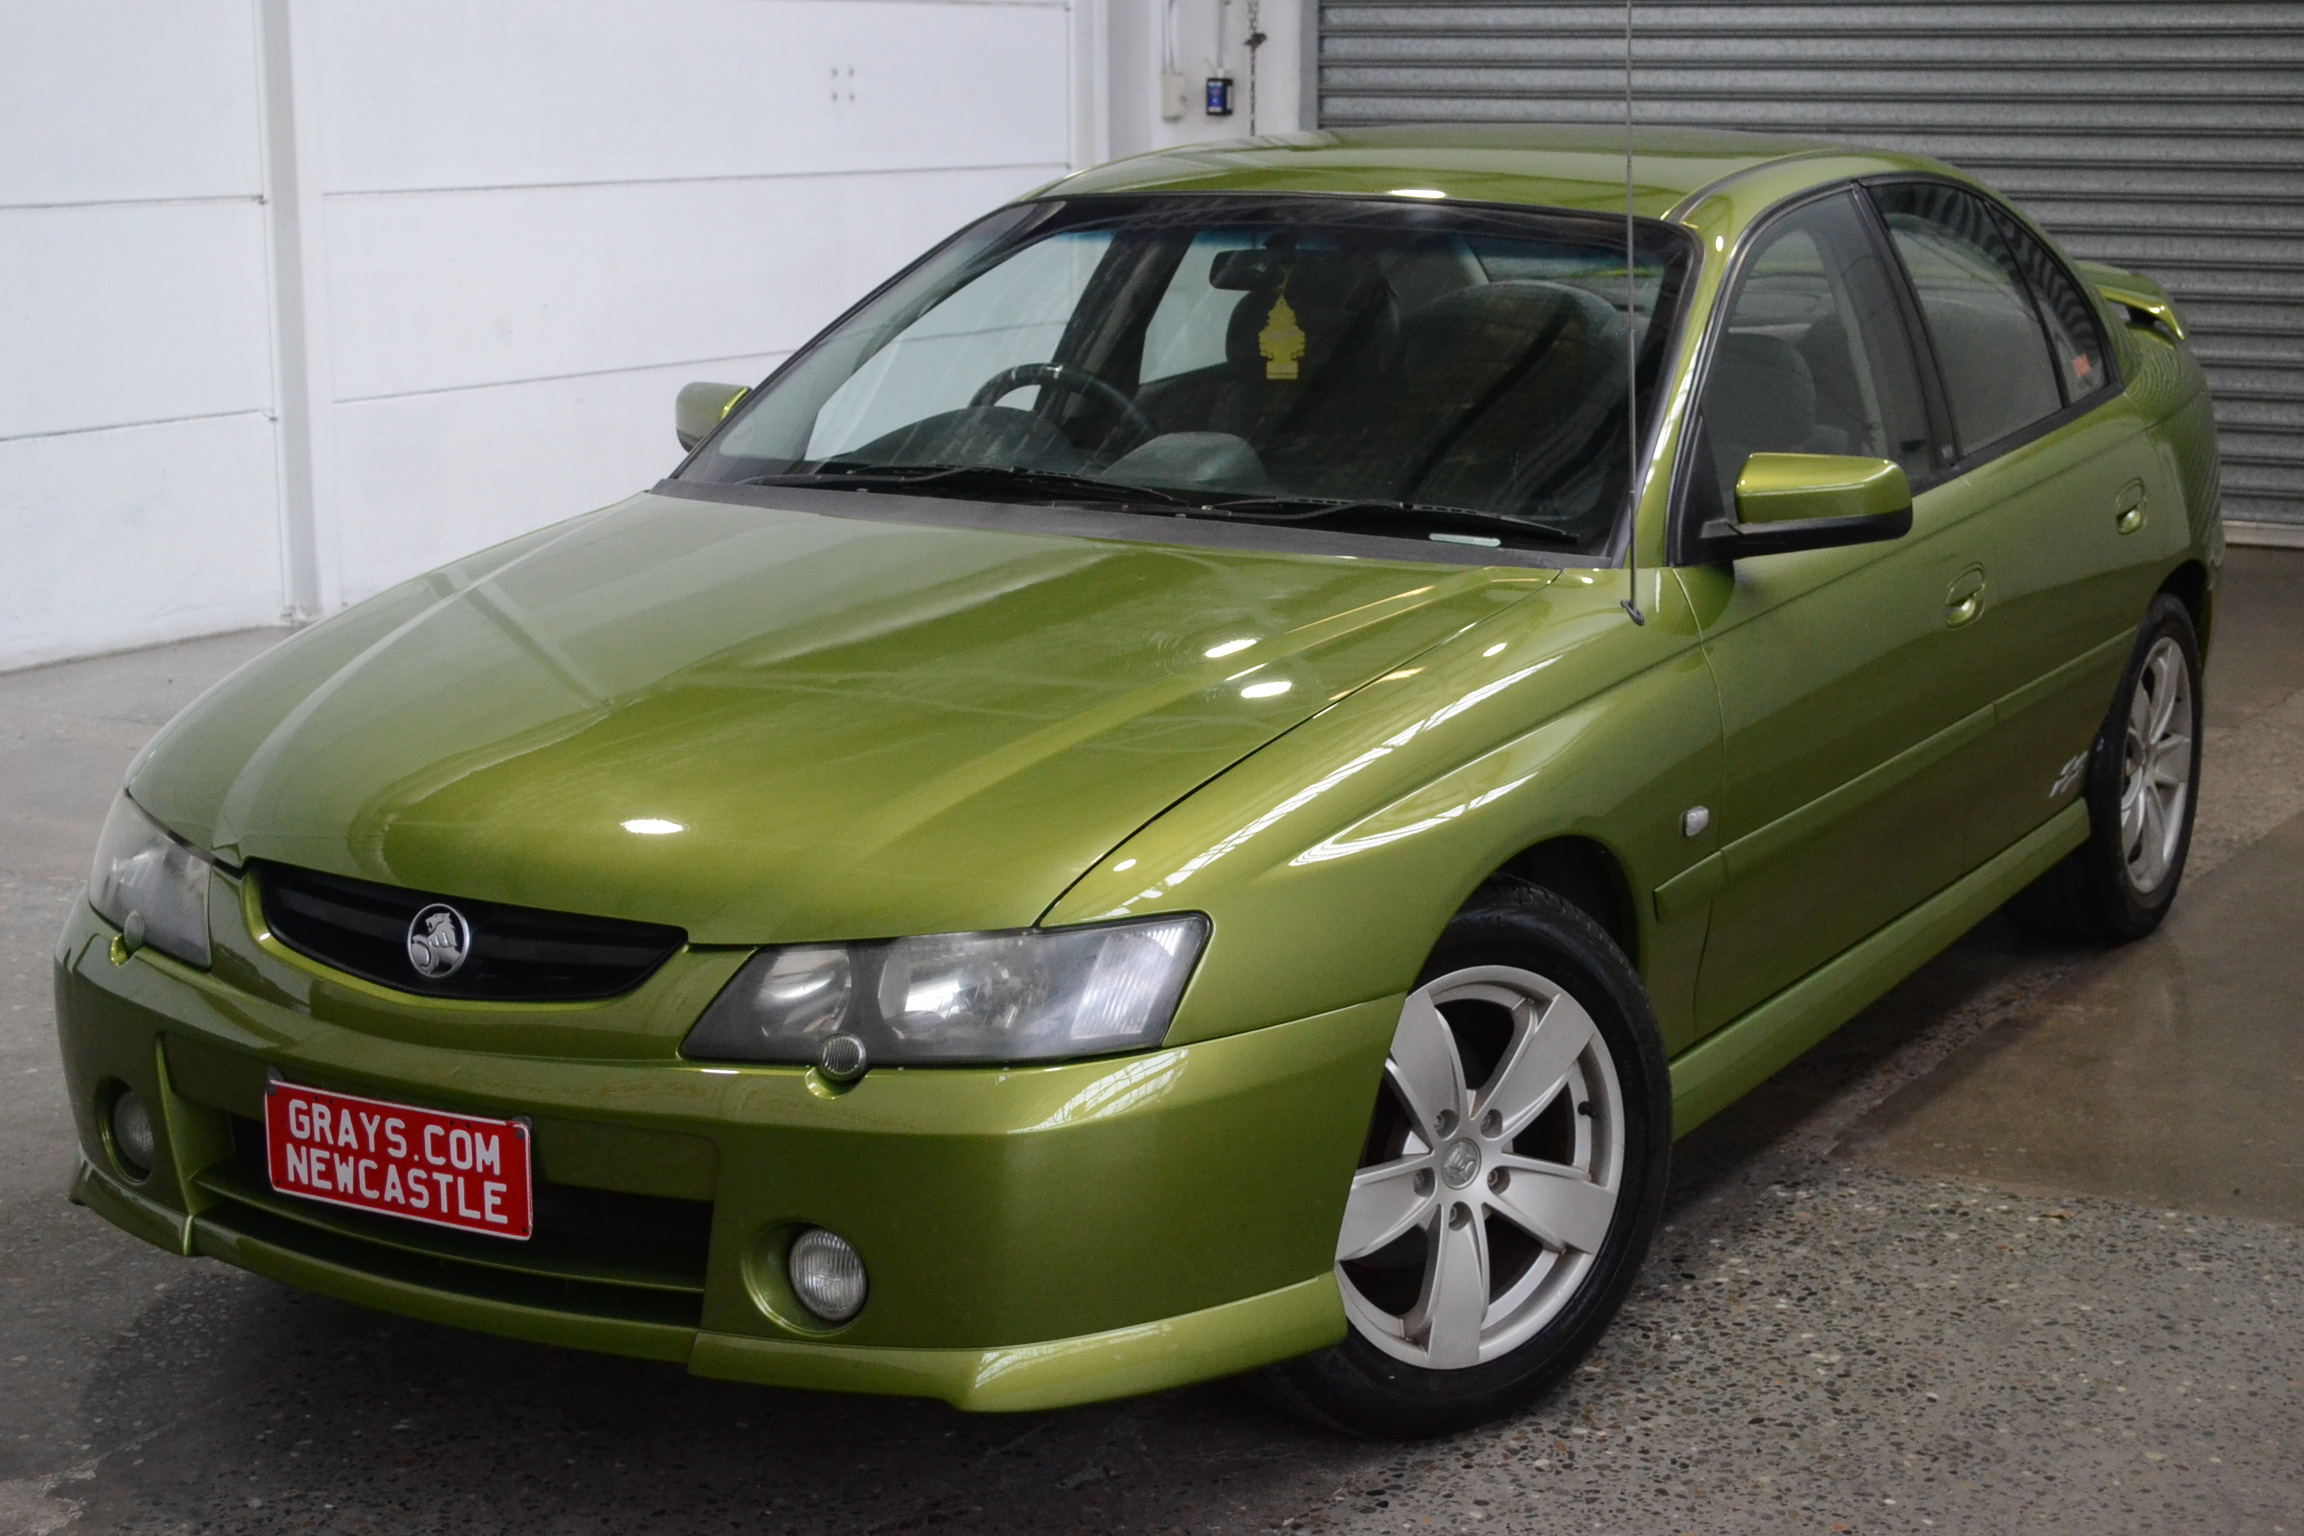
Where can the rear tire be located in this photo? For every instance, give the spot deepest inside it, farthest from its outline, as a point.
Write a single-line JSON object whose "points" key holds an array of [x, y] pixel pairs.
{"points": [[2141, 776], [1511, 1180]]}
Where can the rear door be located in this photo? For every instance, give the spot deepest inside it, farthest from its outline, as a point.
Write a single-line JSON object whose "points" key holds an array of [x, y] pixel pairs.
{"points": [[1846, 695], [2058, 476]]}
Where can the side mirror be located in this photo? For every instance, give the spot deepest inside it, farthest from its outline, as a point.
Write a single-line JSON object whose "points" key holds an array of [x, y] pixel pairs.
{"points": [[701, 407], [1789, 501]]}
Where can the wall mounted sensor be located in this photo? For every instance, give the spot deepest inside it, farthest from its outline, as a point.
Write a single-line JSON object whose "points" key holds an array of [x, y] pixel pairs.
{"points": [[1219, 102]]}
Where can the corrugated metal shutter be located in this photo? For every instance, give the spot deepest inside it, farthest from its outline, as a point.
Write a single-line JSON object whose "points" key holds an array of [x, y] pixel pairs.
{"points": [[2168, 138]]}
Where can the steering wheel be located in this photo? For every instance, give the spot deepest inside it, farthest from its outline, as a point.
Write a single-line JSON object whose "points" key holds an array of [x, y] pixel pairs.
{"points": [[1057, 376]]}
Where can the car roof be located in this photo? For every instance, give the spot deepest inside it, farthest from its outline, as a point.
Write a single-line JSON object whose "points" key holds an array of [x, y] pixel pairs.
{"points": [[1558, 166]]}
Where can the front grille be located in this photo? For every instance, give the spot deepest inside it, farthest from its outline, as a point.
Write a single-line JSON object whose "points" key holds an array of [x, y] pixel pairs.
{"points": [[516, 954], [637, 1258]]}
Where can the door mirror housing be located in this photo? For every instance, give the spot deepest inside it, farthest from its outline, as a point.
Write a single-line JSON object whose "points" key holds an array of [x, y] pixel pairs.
{"points": [[1790, 501], [701, 407]]}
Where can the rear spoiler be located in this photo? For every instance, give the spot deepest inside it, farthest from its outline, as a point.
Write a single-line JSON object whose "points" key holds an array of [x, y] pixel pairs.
{"points": [[2146, 301]]}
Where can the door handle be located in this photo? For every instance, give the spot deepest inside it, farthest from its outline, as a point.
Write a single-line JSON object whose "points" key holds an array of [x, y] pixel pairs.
{"points": [[1965, 599], [2128, 507]]}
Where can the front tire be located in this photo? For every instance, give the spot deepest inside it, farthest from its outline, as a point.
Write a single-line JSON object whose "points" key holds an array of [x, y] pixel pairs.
{"points": [[1511, 1179]]}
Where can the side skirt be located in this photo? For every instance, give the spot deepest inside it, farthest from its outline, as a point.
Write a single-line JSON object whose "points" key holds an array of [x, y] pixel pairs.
{"points": [[1742, 1054]]}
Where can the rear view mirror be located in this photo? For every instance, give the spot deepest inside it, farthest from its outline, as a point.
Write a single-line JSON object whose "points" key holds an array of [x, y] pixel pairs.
{"points": [[1789, 501], [701, 407]]}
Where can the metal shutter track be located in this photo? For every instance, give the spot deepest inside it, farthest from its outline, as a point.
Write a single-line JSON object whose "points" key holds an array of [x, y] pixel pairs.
{"points": [[2163, 137]]}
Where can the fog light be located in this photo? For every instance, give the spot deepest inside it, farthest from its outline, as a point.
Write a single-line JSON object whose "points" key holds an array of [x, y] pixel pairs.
{"points": [[827, 1275], [132, 1139]]}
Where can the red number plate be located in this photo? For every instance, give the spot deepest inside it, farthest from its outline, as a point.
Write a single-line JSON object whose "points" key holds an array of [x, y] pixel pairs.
{"points": [[450, 1170]]}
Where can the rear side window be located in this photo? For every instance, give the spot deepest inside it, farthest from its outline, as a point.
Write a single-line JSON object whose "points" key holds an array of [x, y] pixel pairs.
{"points": [[1814, 357], [1998, 374], [2073, 334]]}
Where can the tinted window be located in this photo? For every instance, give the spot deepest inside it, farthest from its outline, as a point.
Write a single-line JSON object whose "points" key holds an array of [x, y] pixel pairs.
{"points": [[1989, 343], [1814, 357], [2073, 334]]}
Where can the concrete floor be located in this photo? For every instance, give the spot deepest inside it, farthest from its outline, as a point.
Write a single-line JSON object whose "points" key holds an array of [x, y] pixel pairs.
{"points": [[2019, 1249]]}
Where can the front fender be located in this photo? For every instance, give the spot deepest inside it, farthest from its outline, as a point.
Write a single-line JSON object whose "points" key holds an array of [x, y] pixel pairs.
{"points": [[1330, 861]]}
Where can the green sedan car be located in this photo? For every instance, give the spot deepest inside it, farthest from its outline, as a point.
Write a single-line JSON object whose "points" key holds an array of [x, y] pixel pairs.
{"points": [[1200, 786]]}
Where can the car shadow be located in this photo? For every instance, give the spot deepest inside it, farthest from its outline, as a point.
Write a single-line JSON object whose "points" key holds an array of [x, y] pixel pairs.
{"points": [[1803, 1113]]}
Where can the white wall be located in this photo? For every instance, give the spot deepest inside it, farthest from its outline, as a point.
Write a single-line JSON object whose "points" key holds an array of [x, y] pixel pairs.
{"points": [[301, 297], [1210, 39], [139, 497]]}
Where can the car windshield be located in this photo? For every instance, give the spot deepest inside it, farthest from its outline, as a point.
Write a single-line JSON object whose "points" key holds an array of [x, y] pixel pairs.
{"points": [[1409, 369]]}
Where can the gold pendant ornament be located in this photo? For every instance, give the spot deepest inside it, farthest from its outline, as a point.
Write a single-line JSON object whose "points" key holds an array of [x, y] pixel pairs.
{"points": [[1282, 341]]}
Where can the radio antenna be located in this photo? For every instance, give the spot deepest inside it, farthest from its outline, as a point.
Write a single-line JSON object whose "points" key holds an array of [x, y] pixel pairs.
{"points": [[1631, 348]]}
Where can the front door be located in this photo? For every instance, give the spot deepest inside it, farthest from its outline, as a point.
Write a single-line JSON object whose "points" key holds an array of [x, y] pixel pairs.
{"points": [[1844, 698]]}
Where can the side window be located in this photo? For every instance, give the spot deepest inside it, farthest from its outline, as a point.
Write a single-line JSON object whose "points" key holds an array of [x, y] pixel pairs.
{"points": [[1814, 357], [1989, 342], [2073, 333]]}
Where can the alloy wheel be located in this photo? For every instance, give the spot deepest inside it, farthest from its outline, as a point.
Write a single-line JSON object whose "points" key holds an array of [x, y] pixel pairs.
{"points": [[1491, 1173], [2156, 766]]}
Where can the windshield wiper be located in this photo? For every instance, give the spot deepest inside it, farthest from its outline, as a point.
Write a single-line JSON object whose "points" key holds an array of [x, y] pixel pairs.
{"points": [[1471, 525], [995, 480], [1429, 520]]}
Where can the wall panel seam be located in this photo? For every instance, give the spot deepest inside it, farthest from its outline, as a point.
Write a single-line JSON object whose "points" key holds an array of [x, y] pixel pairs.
{"points": [[133, 426], [191, 201], [348, 194], [770, 353]]}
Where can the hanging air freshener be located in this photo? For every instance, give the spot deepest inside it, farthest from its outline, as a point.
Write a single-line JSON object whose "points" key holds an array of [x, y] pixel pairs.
{"points": [[1282, 340]]}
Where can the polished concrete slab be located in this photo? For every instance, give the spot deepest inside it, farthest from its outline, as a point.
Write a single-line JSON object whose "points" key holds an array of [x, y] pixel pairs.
{"points": [[2169, 1074], [2257, 635], [1825, 1339], [2171, 1071]]}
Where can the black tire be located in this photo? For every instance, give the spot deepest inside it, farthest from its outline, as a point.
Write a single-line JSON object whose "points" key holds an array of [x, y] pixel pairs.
{"points": [[2097, 891], [1358, 1388]]}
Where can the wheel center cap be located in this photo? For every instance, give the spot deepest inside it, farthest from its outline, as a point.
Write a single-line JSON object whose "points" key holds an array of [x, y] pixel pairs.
{"points": [[1461, 1165]]}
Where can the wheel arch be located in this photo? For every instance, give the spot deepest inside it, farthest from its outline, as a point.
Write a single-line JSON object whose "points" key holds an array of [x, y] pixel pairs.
{"points": [[1588, 875], [2188, 584]]}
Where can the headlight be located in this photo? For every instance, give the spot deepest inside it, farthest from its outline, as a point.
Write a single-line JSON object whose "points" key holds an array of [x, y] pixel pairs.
{"points": [[151, 887], [1034, 995]]}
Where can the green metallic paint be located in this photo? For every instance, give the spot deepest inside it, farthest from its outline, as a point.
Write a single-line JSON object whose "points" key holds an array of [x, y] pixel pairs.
{"points": [[1060, 1373], [2135, 292], [873, 728], [700, 407], [110, 1196], [1221, 1340], [1798, 487], [995, 1207], [979, 716], [1553, 167], [1330, 860], [1751, 1049]]}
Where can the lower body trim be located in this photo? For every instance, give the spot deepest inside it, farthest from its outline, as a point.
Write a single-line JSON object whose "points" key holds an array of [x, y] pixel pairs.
{"points": [[1724, 1066]]}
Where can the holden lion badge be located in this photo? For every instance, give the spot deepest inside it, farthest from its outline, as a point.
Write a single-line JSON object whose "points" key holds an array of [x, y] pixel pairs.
{"points": [[438, 941]]}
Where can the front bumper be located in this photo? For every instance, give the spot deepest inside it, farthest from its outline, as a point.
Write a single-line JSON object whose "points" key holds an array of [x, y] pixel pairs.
{"points": [[1035, 1236]]}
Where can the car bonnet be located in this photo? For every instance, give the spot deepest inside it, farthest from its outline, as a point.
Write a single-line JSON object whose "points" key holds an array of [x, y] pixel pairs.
{"points": [[762, 724]]}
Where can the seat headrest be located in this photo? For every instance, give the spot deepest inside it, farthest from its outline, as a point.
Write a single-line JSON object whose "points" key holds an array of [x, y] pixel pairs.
{"points": [[1335, 298], [1489, 326], [1762, 398]]}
